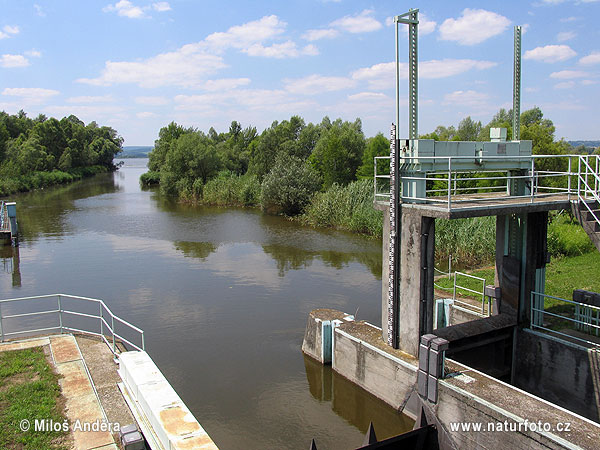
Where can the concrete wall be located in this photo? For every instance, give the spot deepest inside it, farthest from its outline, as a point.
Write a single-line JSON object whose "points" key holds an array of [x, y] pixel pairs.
{"points": [[467, 396], [385, 376], [561, 372]]}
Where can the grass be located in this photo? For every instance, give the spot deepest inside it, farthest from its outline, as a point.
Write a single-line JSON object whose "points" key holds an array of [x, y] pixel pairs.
{"points": [[29, 390], [563, 275], [345, 207]]}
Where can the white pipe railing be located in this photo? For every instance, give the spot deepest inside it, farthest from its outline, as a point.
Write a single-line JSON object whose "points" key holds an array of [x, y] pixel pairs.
{"points": [[104, 313], [585, 317], [449, 191]]}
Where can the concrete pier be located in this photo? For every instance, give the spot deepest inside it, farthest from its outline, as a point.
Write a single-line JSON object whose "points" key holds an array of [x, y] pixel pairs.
{"points": [[494, 411]]}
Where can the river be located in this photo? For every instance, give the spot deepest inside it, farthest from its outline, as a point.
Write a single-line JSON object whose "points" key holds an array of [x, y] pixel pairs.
{"points": [[223, 296]]}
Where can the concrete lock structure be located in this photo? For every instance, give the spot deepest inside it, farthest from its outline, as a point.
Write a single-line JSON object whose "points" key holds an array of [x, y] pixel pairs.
{"points": [[452, 361]]}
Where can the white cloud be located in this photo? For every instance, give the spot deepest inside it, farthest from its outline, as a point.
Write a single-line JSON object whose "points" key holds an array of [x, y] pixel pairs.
{"points": [[569, 19], [31, 95], [383, 75], [449, 67], [11, 29], [286, 49], [426, 26], [325, 33], [225, 84], [189, 65], [87, 113], [473, 27], [90, 99], [39, 11], [33, 53], [151, 101], [244, 36], [125, 8], [466, 98], [8, 31], [592, 58], [316, 84], [247, 99], [569, 74], [184, 67], [368, 97], [10, 61], [145, 114], [359, 23], [550, 53], [565, 36], [588, 82], [161, 6], [565, 85]]}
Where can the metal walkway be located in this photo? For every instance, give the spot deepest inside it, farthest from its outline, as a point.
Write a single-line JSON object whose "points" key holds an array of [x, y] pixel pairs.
{"points": [[551, 182]]}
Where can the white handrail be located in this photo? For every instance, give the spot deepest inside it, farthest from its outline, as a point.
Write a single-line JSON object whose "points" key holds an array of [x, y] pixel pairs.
{"points": [[61, 311]]}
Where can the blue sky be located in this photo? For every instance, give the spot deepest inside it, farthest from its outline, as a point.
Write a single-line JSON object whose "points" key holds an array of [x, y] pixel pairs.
{"points": [[136, 65]]}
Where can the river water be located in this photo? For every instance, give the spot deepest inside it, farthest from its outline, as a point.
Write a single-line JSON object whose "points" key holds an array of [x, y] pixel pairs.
{"points": [[223, 296]]}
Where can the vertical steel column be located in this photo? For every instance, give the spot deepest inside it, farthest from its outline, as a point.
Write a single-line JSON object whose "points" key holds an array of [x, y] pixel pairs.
{"points": [[413, 75], [517, 86]]}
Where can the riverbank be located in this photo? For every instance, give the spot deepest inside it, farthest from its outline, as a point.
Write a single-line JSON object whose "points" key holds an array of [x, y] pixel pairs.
{"points": [[41, 180]]}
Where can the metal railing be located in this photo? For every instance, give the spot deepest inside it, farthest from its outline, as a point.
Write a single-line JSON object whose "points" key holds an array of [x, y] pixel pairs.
{"points": [[106, 320], [449, 187], [581, 317], [588, 183], [470, 306], [3, 216]]}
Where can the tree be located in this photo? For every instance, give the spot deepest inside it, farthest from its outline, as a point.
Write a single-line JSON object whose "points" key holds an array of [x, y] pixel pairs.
{"points": [[166, 136], [376, 146], [468, 130], [289, 186], [279, 137], [192, 156], [339, 152]]}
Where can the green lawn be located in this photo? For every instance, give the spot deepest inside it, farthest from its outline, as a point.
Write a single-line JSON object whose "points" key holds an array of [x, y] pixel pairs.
{"points": [[29, 390], [563, 275]]}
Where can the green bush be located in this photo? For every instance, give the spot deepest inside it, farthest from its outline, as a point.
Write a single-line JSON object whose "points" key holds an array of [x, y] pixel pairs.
{"points": [[289, 186], [228, 189], [150, 178], [347, 207], [567, 238]]}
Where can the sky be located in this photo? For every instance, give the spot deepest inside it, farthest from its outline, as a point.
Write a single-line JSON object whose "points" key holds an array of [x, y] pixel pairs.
{"points": [[137, 65]]}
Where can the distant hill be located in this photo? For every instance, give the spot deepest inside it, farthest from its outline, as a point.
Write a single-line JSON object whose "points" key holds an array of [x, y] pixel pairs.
{"points": [[590, 146], [135, 151]]}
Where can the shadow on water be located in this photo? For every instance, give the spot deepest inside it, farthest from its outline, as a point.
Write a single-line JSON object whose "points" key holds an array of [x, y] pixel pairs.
{"points": [[352, 403], [44, 212]]}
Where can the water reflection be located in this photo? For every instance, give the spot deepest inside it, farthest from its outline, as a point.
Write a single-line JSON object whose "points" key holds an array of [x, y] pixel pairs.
{"points": [[11, 263], [352, 403], [199, 250], [222, 293]]}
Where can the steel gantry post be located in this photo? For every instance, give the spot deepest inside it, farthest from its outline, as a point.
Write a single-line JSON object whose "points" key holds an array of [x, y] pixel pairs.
{"points": [[393, 323], [517, 86]]}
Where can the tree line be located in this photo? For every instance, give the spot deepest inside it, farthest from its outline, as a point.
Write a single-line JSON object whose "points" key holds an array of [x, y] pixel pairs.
{"points": [[42, 151], [289, 162], [283, 167]]}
